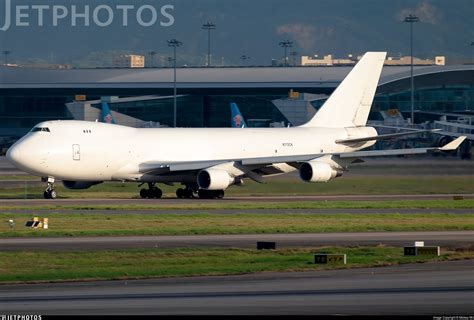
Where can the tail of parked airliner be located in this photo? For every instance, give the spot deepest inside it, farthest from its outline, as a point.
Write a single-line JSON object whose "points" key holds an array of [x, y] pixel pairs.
{"points": [[106, 114], [350, 104], [237, 120]]}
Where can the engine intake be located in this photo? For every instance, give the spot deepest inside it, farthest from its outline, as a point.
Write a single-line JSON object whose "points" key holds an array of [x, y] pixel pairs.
{"points": [[317, 171], [79, 185], [214, 179]]}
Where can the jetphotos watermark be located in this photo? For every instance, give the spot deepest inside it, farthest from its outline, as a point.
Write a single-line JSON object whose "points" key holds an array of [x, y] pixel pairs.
{"points": [[101, 15]]}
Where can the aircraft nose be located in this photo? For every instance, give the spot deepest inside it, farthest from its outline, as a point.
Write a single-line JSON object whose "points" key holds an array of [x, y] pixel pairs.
{"points": [[14, 154]]}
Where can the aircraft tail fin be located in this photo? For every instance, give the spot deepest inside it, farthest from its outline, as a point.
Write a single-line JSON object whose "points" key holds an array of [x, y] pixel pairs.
{"points": [[237, 119], [107, 116], [350, 104]]}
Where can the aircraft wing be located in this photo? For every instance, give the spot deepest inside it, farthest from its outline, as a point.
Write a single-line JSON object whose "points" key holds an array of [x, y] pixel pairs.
{"points": [[163, 168], [257, 163], [384, 136], [358, 154]]}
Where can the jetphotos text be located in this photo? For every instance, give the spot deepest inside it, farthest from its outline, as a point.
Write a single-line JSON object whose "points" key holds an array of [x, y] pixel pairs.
{"points": [[85, 15]]}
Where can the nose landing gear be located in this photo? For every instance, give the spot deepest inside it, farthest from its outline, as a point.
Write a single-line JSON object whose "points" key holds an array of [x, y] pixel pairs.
{"points": [[152, 192], [50, 193]]}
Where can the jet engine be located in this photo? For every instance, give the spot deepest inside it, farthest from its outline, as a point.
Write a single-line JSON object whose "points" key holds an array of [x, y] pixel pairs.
{"points": [[212, 179], [79, 185], [316, 171]]}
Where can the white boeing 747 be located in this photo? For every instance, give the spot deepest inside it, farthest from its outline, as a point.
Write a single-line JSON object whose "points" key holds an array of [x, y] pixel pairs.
{"points": [[208, 161]]}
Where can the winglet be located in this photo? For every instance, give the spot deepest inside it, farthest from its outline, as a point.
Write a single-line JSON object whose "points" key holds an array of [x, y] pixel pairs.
{"points": [[453, 145]]}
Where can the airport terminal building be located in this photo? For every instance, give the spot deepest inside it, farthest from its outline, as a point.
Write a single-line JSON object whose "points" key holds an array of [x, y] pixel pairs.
{"points": [[29, 96]]}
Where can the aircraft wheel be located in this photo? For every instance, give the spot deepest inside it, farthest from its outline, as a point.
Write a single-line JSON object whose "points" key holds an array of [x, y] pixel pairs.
{"points": [[180, 193], [46, 195], [203, 194], [157, 193], [220, 194], [188, 193], [52, 194], [143, 193]]}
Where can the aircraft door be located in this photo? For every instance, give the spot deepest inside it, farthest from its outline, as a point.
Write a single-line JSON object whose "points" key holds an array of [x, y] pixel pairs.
{"points": [[76, 152]]}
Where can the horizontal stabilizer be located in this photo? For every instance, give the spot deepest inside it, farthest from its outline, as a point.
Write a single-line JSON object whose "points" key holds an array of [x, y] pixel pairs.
{"points": [[384, 136], [384, 153], [453, 145], [393, 127], [400, 152]]}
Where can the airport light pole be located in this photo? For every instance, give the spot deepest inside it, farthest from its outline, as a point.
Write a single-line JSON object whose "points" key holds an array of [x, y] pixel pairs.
{"points": [[173, 43], [411, 19], [286, 44], [209, 26], [293, 54], [6, 53], [472, 52], [244, 59], [152, 55]]}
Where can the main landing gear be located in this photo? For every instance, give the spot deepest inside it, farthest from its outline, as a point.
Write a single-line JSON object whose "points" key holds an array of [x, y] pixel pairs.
{"points": [[211, 194], [187, 193], [191, 192], [50, 193], [152, 192]]}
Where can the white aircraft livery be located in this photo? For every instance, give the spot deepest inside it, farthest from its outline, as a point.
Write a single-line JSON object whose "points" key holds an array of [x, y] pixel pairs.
{"points": [[208, 161]]}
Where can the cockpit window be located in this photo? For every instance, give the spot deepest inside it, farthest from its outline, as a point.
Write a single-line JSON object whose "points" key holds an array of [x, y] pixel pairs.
{"points": [[38, 129]]}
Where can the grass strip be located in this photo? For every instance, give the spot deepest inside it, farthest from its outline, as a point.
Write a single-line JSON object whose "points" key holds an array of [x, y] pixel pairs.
{"points": [[90, 224], [159, 263]]}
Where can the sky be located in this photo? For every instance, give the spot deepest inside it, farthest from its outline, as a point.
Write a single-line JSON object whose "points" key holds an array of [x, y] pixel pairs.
{"points": [[249, 27]]}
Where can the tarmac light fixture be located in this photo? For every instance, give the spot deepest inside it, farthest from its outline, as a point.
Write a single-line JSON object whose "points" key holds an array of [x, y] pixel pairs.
{"points": [[173, 43], [152, 55], [209, 26], [285, 45], [294, 54], [411, 19], [244, 58], [6, 53], [472, 49]]}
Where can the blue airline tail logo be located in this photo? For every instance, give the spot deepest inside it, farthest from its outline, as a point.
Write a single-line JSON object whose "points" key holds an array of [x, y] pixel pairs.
{"points": [[106, 114], [237, 120]]}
